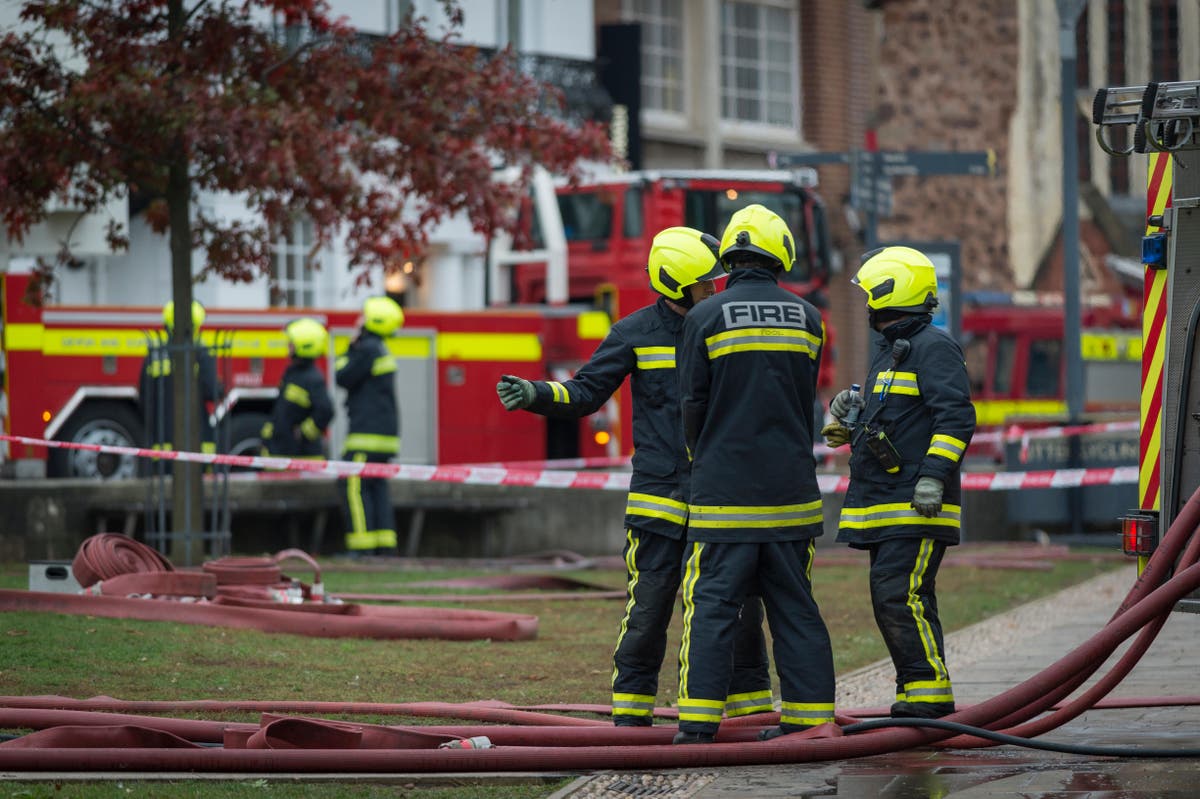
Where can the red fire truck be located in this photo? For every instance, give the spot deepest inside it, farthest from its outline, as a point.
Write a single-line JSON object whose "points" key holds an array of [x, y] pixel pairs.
{"points": [[71, 372]]}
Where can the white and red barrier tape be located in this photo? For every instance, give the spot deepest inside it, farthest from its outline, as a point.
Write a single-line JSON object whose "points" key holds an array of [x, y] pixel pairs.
{"points": [[550, 478]]}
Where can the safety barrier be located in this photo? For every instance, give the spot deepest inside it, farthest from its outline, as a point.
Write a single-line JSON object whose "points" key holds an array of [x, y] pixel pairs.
{"points": [[549, 478]]}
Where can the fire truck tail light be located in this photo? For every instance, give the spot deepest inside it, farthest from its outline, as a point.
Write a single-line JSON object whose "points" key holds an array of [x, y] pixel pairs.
{"points": [[1139, 533], [602, 437], [47, 416]]}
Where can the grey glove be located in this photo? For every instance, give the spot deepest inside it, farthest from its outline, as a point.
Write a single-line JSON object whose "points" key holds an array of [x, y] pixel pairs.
{"points": [[840, 405], [515, 392], [927, 498], [836, 434]]}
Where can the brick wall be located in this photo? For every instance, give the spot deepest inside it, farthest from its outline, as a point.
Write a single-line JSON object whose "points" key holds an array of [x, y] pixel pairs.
{"points": [[947, 80]]}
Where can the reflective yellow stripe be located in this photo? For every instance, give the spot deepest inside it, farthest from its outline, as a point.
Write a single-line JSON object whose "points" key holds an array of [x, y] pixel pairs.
{"points": [[656, 507], [383, 365], [762, 339], [902, 383], [691, 574], [309, 429], [385, 539], [746, 703], [991, 412], [706, 710], [372, 442], [932, 656], [928, 691], [559, 391], [947, 447], [655, 357], [632, 705], [132, 342], [593, 325], [358, 537], [897, 513], [489, 347], [296, 395], [632, 542], [713, 516], [805, 714]]}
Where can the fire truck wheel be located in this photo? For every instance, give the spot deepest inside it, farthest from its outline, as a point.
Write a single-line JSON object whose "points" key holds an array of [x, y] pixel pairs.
{"points": [[104, 423], [245, 434]]}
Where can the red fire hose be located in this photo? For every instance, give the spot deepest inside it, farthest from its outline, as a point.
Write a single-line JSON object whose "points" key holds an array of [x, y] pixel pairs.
{"points": [[1147, 605]]}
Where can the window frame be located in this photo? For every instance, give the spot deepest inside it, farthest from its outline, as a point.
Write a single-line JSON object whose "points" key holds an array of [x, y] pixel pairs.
{"points": [[761, 128]]}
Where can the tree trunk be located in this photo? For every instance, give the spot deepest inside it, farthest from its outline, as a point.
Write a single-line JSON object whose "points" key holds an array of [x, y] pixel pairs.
{"points": [[187, 498]]}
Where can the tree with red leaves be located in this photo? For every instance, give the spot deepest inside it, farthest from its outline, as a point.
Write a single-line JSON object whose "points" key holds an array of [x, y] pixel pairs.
{"points": [[371, 138]]}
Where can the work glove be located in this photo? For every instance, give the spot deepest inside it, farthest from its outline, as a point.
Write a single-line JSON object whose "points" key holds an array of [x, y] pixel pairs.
{"points": [[836, 434], [515, 392], [841, 404], [927, 498]]}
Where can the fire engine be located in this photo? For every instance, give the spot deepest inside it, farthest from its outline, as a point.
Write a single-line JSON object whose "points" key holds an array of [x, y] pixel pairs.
{"points": [[71, 372], [1165, 120], [1013, 345]]}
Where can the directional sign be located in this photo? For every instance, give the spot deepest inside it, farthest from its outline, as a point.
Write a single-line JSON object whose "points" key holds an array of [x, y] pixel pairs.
{"points": [[898, 164]]}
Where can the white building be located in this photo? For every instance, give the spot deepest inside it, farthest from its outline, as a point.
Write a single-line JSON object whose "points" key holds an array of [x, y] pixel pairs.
{"points": [[452, 275]]}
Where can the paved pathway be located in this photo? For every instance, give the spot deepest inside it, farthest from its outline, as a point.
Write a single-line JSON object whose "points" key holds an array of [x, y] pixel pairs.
{"points": [[985, 660]]}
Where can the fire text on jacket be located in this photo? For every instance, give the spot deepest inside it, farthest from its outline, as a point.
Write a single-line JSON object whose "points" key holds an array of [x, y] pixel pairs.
{"points": [[757, 314]]}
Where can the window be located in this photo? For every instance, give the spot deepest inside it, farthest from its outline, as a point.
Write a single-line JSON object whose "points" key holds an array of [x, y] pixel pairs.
{"points": [[1006, 356], [586, 216], [662, 52], [293, 282], [758, 62], [1045, 368], [634, 222], [711, 210]]}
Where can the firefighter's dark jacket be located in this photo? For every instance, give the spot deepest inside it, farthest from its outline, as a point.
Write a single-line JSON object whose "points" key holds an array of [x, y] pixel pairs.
{"points": [[301, 412], [641, 345], [748, 368], [156, 393], [366, 371], [929, 418]]}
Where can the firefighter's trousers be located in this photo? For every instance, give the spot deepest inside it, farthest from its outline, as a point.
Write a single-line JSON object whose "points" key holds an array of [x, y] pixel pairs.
{"points": [[367, 508], [717, 578], [903, 573], [652, 565]]}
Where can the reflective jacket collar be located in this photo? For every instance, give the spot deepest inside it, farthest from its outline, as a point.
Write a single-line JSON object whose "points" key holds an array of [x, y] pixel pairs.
{"points": [[906, 328], [751, 274], [672, 321]]}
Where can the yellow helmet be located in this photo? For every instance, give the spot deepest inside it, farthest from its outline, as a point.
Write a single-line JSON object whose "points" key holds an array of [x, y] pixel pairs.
{"points": [[197, 315], [681, 257], [308, 338], [383, 316], [758, 229], [899, 278]]}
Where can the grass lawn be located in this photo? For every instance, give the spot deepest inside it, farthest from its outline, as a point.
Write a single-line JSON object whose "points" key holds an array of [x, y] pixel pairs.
{"points": [[570, 661]]}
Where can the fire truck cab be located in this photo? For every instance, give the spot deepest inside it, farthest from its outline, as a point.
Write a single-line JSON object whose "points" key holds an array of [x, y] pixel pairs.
{"points": [[1015, 357]]}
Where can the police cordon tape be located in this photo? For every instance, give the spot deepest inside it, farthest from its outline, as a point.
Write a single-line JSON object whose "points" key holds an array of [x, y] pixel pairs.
{"points": [[548, 478]]}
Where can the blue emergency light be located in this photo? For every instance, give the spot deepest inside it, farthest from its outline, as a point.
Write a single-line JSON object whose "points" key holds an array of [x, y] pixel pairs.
{"points": [[1154, 250]]}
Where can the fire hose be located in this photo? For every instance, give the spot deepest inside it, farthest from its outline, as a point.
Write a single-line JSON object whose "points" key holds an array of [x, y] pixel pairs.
{"points": [[1142, 613]]}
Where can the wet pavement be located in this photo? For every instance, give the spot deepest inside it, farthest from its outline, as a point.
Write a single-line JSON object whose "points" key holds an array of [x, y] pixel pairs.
{"points": [[985, 661]]}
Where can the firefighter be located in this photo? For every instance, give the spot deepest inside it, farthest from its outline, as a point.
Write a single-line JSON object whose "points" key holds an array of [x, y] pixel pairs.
{"points": [[748, 367], [302, 409], [156, 391], [682, 265], [902, 505], [366, 371]]}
